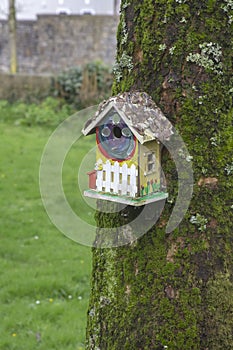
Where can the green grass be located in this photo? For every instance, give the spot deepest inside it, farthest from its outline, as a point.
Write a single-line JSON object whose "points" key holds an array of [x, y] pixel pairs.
{"points": [[44, 281]]}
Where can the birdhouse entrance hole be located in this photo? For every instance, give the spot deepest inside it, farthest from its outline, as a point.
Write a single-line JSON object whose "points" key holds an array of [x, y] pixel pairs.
{"points": [[117, 132]]}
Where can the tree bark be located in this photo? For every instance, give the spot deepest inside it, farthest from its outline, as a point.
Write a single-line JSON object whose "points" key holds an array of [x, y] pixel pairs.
{"points": [[175, 291], [12, 37]]}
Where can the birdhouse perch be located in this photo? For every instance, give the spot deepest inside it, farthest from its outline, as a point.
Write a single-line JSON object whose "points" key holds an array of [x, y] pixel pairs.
{"points": [[129, 130]]}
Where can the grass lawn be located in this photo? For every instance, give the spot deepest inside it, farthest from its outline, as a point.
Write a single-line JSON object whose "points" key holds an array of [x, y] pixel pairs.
{"points": [[44, 281]]}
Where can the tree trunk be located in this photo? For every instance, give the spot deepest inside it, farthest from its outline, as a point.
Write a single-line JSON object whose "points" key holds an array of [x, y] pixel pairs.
{"points": [[175, 291], [12, 37]]}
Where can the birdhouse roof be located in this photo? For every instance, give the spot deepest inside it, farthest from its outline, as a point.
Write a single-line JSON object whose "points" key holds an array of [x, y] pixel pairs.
{"points": [[140, 113]]}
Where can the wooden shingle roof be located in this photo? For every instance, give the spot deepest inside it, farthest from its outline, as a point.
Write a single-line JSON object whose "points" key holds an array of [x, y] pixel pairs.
{"points": [[141, 114]]}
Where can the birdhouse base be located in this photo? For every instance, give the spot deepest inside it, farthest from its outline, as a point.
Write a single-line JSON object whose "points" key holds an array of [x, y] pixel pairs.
{"points": [[136, 202]]}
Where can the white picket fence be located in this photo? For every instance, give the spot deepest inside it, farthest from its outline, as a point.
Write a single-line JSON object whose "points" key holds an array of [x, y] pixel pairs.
{"points": [[117, 179]]}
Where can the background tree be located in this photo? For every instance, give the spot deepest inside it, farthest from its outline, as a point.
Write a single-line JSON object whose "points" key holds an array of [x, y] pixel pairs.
{"points": [[12, 36], [175, 290], [116, 6]]}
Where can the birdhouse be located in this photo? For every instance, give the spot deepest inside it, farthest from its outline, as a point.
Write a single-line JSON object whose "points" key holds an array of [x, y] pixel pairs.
{"points": [[129, 129]]}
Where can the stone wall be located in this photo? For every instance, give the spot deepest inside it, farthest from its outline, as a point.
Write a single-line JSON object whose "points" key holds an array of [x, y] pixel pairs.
{"points": [[53, 43]]}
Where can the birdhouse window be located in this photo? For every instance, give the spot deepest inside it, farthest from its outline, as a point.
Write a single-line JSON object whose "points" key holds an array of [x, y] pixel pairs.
{"points": [[106, 132], [150, 158], [151, 162]]}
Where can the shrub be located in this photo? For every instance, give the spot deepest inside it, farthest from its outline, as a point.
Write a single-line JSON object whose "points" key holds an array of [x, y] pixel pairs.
{"points": [[84, 86], [49, 112]]}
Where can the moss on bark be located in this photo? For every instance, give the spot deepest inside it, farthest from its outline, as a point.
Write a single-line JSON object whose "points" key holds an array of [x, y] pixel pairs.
{"points": [[175, 290]]}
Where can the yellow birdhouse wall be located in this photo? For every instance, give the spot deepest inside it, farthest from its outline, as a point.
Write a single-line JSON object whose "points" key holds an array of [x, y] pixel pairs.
{"points": [[149, 167]]}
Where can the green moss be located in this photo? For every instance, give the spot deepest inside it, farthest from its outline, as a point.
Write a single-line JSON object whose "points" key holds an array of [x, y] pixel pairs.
{"points": [[219, 299]]}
